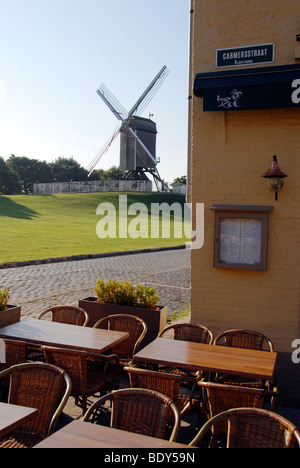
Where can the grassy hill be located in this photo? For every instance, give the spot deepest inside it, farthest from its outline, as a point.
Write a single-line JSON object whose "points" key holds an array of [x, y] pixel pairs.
{"points": [[49, 226]]}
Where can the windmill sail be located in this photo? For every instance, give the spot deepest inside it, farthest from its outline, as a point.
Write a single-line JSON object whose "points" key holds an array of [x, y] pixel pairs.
{"points": [[104, 150], [112, 103], [149, 93]]}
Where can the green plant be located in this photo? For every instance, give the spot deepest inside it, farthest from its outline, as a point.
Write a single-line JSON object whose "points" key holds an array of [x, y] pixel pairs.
{"points": [[124, 293], [4, 296]]}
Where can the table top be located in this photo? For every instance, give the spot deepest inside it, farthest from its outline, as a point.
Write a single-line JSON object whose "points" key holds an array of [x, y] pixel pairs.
{"points": [[79, 434], [12, 416], [45, 332], [214, 358]]}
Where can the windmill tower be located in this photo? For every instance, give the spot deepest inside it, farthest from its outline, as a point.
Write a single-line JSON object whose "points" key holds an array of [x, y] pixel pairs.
{"points": [[138, 135]]}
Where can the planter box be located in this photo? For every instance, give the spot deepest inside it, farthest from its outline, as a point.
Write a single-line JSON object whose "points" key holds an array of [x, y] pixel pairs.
{"points": [[9, 316], [155, 320]]}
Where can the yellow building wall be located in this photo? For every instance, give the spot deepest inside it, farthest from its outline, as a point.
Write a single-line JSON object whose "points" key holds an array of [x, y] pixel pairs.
{"points": [[229, 152]]}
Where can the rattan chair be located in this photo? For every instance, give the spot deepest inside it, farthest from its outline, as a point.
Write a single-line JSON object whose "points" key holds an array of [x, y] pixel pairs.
{"points": [[248, 339], [217, 398], [168, 384], [15, 353], [186, 332], [71, 315], [141, 411], [135, 326], [67, 314], [41, 386], [85, 382], [252, 428]]}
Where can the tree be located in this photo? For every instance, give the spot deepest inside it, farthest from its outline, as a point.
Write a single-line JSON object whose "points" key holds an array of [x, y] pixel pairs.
{"points": [[29, 171], [67, 170], [9, 184], [180, 180], [113, 173]]}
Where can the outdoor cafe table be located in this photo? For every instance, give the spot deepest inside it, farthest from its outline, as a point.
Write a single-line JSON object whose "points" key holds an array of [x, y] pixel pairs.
{"points": [[213, 358], [79, 434], [45, 332], [12, 416]]}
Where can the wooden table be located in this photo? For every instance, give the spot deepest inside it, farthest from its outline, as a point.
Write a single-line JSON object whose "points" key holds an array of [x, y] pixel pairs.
{"points": [[12, 416], [80, 434], [44, 332], [223, 359]]}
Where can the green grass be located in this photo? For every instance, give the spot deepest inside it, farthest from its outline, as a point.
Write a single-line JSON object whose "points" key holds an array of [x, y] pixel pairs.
{"points": [[49, 226]]}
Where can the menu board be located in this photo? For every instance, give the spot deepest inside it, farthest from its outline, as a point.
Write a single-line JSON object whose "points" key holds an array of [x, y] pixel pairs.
{"points": [[240, 240]]}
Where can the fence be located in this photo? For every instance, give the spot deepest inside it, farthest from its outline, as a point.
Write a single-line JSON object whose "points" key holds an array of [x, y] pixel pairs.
{"points": [[93, 186]]}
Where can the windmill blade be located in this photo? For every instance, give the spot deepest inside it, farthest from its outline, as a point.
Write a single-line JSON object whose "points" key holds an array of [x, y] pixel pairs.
{"points": [[149, 93], [104, 150], [112, 102], [141, 147]]}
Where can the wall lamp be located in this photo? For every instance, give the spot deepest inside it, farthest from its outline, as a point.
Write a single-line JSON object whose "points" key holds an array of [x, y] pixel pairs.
{"points": [[274, 177]]}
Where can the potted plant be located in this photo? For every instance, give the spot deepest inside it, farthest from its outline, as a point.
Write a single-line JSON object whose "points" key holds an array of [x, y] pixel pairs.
{"points": [[9, 314], [113, 297]]}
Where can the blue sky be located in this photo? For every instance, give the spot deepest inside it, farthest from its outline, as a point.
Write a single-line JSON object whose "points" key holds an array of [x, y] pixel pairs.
{"points": [[54, 54]]}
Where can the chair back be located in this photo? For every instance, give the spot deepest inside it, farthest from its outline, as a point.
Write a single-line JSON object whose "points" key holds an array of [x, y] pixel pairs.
{"points": [[141, 411], [41, 386], [219, 398], [168, 384], [68, 314], [15, 353], [135, 326], [253, 428], [188, 332], [240, 338], [73, 362]]}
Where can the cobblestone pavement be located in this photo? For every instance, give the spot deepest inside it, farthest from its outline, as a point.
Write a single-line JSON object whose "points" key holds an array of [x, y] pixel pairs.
{"points": [[38, 287]]}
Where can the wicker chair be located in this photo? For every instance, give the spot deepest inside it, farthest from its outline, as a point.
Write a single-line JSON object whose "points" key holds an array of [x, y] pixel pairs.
{"points": [[67, 314], [41, 386], [168, 384], [141, 411], [135, 326], [217, 398], [249, 339], [15, 353], [186, 332], [71, 315], [85, 382], [252, 428]]}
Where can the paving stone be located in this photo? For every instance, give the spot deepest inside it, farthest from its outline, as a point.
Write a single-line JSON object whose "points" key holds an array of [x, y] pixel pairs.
{"points": [[37, 287]]}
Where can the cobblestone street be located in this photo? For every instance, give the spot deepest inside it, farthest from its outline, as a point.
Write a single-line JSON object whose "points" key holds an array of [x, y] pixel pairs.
{"points": [[38, 287]]}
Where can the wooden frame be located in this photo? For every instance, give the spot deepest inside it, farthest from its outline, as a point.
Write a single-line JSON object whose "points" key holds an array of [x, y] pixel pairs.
{"points": [[241, 237]]}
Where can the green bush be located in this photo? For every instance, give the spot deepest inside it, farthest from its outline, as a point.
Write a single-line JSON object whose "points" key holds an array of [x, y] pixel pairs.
{"points": [[124, 293], [4, 296]]}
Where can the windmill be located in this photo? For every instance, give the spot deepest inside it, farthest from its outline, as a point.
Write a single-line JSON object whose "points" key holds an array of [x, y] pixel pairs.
{"points": [[138, 135]]}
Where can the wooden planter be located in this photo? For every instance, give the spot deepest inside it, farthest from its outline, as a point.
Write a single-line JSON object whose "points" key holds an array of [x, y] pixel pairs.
{"points": [[9, 316], [155, 320]]}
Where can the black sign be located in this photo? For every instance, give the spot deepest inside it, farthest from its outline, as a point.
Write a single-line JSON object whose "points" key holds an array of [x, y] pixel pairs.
{"points": [[247, 55], [260, 88], [268, 96]]}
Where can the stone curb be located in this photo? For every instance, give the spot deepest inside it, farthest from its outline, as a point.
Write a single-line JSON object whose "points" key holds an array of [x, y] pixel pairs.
{"points": [[85, 257]]}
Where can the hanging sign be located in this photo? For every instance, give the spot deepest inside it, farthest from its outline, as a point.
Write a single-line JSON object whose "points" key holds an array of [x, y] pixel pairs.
{"points": [[247, 55]]}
